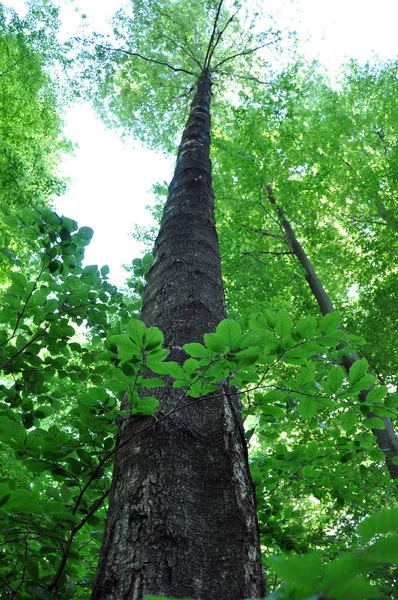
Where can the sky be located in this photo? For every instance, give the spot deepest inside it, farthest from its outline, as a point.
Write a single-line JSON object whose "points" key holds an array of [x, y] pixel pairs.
{"points": [[110, 181]]}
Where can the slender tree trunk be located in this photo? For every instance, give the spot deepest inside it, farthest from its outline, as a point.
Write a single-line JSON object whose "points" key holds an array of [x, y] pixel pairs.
{"points": [[182, 517], [387, 439]]}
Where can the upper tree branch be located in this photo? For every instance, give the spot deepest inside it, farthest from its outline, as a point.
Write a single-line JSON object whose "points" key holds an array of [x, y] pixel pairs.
{"points": [[243, 53], [187, 49], [213, 33], [219, 36], [146, 58]]}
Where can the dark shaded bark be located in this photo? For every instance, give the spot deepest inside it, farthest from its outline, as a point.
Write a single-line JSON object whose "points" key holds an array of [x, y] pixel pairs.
{"points": [[387, 439], [182, 517]]}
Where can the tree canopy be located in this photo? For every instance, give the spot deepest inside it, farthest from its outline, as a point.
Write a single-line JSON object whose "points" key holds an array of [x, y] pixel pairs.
{"points": [[71, 344]]}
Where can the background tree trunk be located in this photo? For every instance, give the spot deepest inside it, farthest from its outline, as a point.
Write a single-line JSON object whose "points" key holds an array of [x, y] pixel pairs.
{"points": [[182, 516], [387, 439]]}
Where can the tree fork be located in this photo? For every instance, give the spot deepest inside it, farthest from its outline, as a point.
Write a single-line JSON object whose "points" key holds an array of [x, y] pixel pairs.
{"points": [[387, 439], [182, 517]]}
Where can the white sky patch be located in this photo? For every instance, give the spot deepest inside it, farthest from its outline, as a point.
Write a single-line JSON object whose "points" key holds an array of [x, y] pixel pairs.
{"points": [[109, 188]]}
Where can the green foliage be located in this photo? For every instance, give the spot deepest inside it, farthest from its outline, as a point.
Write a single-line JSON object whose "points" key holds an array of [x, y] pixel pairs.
{"points": [[71, 355], [30, 126], [76, 361]]}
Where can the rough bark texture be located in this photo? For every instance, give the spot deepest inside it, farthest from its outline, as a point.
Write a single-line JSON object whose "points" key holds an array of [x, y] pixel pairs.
{"points": [[387, 439], [182, 516]]}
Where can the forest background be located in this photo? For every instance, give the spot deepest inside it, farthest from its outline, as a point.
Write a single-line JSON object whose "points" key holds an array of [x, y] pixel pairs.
{"points": [[293, 154]]}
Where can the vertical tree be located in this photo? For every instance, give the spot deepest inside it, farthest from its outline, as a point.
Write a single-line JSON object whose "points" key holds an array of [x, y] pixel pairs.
{"points": [[384, 432], [182, 516]]}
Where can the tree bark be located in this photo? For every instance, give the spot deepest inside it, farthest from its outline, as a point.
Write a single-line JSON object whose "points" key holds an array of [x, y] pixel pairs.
{"points": [[387, 439], [182, 516]]}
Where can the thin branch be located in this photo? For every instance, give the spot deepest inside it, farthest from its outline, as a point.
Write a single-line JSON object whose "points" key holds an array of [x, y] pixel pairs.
{"points": [[271, 252], [181, 47], [13, 65], [243, 53], [219, 36], [14, 356], [244, 77], [71, 537], [275, 236], [213, 33], [146, 58], [174, 22]]}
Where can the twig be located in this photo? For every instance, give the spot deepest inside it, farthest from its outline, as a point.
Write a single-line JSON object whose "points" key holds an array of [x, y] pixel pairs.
{"points": [[146, 58]]}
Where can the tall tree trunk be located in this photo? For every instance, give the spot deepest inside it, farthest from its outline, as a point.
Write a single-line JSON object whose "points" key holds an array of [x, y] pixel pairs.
{"points": [[387, 439], [182, 517]]}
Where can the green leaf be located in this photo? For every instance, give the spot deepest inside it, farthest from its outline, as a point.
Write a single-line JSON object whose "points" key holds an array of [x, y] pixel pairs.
{"points": [[357, 370], [10, 221], [375, 423], [32, 568], [392, 401], [384, 550], [229, 333], [84, 235], [147, 405], [305, 375], [136, 330], [271, 318], [247, 357], [348, 419], [272, 396], [154, 339], [306, 327], [283, 324], [363, 384], [190, 365], [377, 394], [307, 408], [126, 348], [23, 500], [105, 270], [167, 368], [196, 350], [384, 521], [335, 379], [329, 323], [19, 279], [214, 343]]}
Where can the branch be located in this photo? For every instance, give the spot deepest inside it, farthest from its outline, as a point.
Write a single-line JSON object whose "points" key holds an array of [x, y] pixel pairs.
{"points": [[181, 47], [220, 34], [244, 77], [14, 356], [71, 537], [213, 33], [185, 48], [146, 58], [13, 65], [243, 53]]}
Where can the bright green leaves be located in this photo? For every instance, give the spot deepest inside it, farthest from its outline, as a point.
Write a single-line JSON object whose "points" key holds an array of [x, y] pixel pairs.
{"points": [[375, 423], [229, 333], [307, 408], [83, 237], [358, 370], [335, 380], [126, 347], [283, 323], [348, 576], [136, 330], [225, 338], [329, 323], [197, 350]]}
